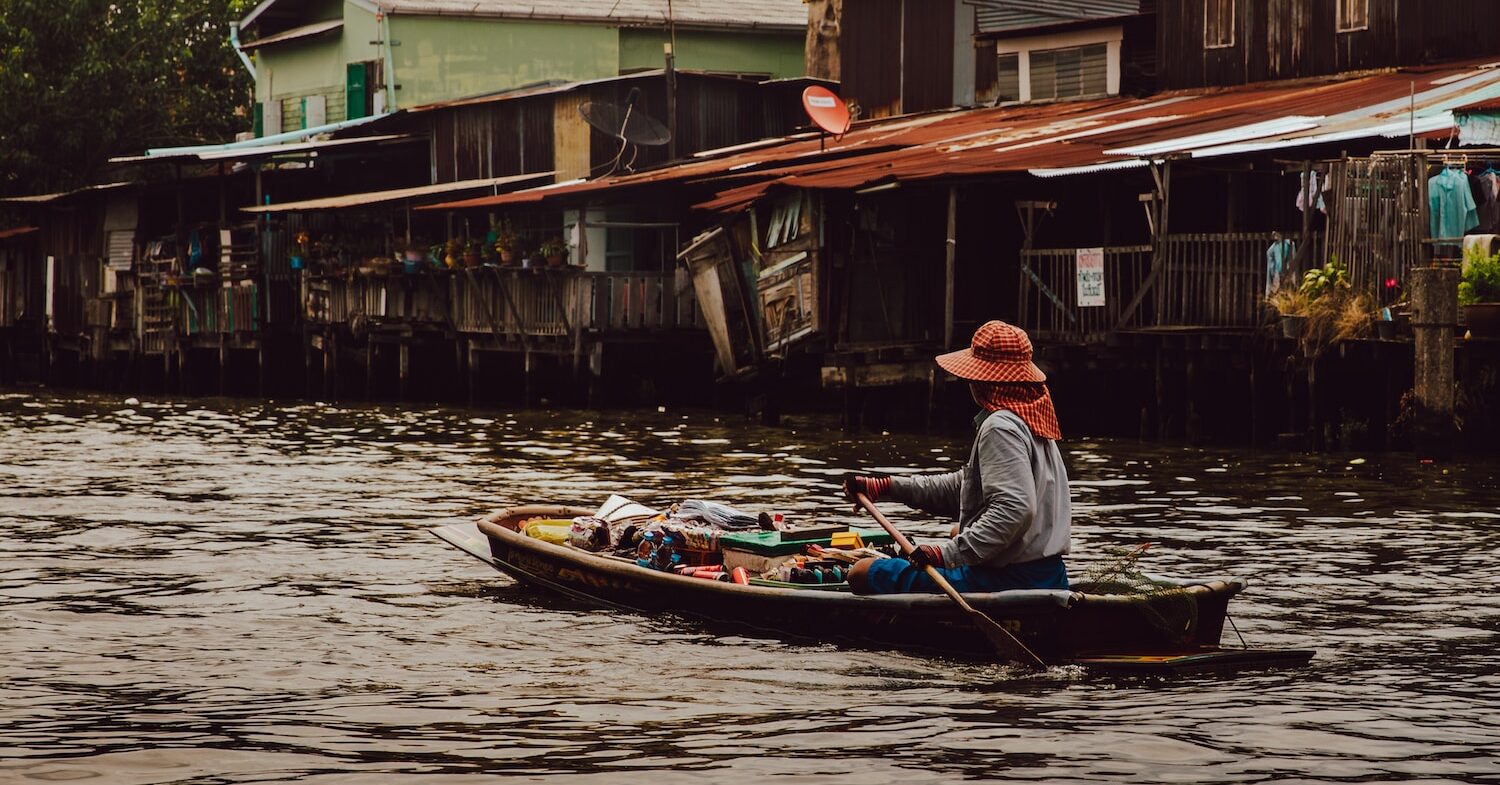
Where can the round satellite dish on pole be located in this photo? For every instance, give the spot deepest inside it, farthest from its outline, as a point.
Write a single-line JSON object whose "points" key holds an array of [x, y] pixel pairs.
{"points": [[627, 123], [826, 110]]}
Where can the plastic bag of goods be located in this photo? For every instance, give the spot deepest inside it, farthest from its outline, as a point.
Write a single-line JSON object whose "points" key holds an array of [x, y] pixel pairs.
{"points": [[714, 514], [589, 533]]}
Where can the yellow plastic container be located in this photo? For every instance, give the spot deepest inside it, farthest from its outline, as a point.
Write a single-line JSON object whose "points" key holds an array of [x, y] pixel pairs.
{"points": [[548, 530]]}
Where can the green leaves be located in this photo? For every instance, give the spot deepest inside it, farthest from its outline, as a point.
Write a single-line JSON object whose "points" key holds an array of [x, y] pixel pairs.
{"points": [[1323, 280], [1480, 281], [84, 80]]}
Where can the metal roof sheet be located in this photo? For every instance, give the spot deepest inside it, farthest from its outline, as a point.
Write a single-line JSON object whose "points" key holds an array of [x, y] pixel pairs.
{"points": [[995, 16], [60, 195], [1074, 137], [345, 201], [317, 28], [6, 234], [771, 14], [264, 151]]}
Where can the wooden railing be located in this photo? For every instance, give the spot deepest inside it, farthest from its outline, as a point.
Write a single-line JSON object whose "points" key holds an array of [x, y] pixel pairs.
{"points": [[218, 309], [1377, 220], [1048, 305], [513, 303], [415, 299], [1210, 280]]}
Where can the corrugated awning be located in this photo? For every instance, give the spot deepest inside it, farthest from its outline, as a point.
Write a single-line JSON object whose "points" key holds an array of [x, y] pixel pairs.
{"points": [[1072, 138], [6, 234], [306, 31], [268, 151], [416, 193], [60, 195]]}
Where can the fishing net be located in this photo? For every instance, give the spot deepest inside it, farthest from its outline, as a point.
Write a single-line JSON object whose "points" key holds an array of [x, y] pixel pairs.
{"points": [[1166, 605]]}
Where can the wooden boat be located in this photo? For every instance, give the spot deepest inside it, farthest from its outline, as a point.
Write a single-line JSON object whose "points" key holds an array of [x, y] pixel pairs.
{"points": [[1107, 631]]}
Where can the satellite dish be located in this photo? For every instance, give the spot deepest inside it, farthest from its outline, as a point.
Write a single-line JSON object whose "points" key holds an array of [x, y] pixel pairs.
{"points": [[626, 123], [826, 110]]}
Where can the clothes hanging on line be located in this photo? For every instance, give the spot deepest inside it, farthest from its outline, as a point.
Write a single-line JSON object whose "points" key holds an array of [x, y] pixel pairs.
{"points": [[1278, 257], [1319, 185], [1451, 206], [1487, 194]]}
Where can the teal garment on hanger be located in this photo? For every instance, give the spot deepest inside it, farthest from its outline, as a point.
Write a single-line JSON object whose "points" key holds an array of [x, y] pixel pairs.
{"points": [[1278, 256], [1450, 202]]}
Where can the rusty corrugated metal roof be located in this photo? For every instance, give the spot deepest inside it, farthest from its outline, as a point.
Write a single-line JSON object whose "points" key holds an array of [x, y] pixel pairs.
{"points": [[1060, 137]]}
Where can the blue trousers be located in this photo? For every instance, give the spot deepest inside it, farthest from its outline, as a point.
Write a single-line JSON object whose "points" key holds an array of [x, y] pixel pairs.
{"points": [[899, 576]]}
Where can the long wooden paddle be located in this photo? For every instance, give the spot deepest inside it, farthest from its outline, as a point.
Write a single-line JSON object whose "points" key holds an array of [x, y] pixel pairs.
{"points": [[1006, 645]]}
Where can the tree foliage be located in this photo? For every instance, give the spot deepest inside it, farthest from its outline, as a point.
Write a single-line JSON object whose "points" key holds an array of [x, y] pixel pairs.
{"points": [[84, 80]]}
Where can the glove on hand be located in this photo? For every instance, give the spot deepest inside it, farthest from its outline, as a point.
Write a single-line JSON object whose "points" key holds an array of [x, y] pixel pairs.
{"points": [[871, 487], [926, 556]]}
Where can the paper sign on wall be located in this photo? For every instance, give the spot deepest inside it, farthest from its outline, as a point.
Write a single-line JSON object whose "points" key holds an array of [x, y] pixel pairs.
{"points": [[1090, 277]]}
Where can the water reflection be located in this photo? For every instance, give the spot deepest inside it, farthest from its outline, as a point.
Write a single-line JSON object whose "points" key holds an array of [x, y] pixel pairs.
{"points": [[237, 591]]}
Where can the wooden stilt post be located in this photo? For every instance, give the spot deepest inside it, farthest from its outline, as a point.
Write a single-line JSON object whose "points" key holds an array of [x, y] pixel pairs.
{"points": [[223, 365], [936, 378], [403, 359], [369, 368], [472, 371], [526, 378]]}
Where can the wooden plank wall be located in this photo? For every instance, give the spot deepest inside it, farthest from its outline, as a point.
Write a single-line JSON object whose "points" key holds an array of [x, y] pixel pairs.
{"points": [[1284, 39]]}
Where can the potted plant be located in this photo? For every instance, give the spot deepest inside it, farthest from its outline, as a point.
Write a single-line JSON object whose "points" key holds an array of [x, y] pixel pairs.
{"points": [[555, 251], [1291, 304], [473, 254], [412, 257], [300, 256], [452, 251], [507, 242], [1479, 293]]}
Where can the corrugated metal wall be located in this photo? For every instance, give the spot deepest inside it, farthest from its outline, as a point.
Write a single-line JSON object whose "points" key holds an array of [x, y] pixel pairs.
{"points": [[1282, 39]]}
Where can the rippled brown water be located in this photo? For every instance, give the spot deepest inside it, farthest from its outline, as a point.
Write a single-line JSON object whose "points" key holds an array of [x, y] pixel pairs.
{"points": [[227, 591]]}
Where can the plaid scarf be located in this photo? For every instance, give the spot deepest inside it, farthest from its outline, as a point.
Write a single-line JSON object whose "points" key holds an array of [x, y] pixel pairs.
{"points": [[1031, 402]]}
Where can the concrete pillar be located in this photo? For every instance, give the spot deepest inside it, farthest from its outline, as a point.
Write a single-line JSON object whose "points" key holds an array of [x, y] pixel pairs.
{"points": [[1434, 315]]}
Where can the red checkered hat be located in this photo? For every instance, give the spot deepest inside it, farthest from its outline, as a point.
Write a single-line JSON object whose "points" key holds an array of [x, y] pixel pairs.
{"points": [[1000, 352]]}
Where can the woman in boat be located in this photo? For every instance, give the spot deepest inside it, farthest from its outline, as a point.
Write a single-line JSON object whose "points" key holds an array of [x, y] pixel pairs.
{"points": [[1010, 498]]}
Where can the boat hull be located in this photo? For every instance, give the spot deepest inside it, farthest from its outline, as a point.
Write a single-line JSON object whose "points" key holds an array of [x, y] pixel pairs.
{"points": [[1060, 626]]}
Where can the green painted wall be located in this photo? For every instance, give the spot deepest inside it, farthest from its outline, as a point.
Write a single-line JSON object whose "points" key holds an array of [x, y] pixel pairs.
{"points": [[360, 29], [298, 67], [442, 58], [777, 54]]}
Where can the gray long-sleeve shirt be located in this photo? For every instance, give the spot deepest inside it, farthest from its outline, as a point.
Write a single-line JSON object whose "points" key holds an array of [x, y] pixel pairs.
{"points": [[1010, 498]]}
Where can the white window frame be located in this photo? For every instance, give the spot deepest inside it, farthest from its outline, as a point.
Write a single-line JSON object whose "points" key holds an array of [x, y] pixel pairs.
{"points": [[1339, 23], [1023, 46], [1233, 23]]}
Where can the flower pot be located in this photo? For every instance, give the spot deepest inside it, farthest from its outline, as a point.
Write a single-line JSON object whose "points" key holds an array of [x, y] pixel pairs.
{"points": [[1385, 329], [297, 263], [411, 266], [471, 260], [1483, 319], [555, 260], [507, 257], [1293, 325]]}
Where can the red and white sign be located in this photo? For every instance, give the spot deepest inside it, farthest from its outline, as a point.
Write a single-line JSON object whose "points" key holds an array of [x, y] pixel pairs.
{"points": [[1090, 277]]}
